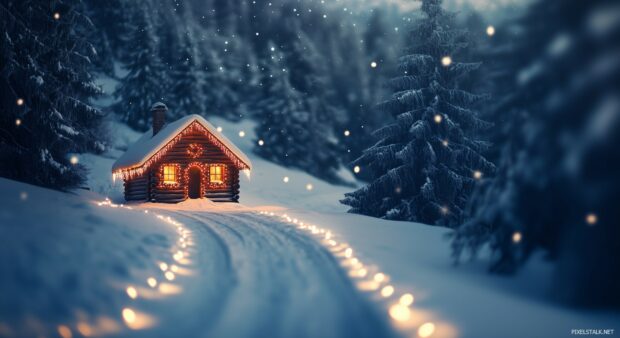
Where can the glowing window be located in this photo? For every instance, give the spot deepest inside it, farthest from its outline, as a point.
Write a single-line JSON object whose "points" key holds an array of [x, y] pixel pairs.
{"points": [[216, 174], [171, 174]]}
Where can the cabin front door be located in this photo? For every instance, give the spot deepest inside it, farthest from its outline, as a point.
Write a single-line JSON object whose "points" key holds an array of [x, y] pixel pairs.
{"points": [[193, 184]]}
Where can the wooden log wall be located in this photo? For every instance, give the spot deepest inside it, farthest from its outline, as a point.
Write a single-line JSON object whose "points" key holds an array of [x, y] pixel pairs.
{"points": [[137, 189], [228, 192]]}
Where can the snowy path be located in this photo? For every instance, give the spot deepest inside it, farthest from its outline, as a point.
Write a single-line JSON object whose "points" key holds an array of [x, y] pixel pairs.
{"points": [[256, 277]]}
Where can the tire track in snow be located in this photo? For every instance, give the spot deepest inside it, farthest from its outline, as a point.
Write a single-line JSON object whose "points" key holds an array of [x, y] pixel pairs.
{"points": [[198, 306], [282, 283]]}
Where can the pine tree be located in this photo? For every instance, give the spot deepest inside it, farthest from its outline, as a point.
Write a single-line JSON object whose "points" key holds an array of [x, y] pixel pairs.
{"points": [[558, 185], [45, 60], [288, 128], [110, 19], [308, 76], [426, 164], [186, 80], [220, 81], [146, 79], [375, 63]]}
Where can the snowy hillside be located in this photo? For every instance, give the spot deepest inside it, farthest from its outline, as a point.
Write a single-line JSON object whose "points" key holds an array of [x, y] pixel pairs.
{"points": [[460, 301], [68, 263], [77, 263], [480, 135]]}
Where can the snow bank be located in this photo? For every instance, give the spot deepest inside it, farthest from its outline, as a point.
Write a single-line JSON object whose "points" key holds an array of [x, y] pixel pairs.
{"points": [[67, 263], [463, 301]]}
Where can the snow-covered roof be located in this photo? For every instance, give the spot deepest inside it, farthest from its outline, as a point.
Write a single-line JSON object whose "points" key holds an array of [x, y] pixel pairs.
{"points": [[147, 147]]}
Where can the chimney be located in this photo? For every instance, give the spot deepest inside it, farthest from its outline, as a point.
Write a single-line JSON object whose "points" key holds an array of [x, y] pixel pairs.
{"points": [[159, 116]]}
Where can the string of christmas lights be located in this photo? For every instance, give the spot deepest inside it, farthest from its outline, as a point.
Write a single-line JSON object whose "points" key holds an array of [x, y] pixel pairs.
{"points": [[194, 150], [133, 318], [129, 173], [368, 279], [204, 171], [224, 173], [162, 183]]}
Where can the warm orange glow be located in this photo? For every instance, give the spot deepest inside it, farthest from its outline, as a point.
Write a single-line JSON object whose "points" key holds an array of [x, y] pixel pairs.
{"points": [[367, 285], [216, 173], [129, 315], [169, 275], [400, 312], [477, 174], [152, 282], [196, 126], [516, 237], [178, 256], [379, 277], [84, 329], [64, 331], [137, 320], [309, 186], [132, 292], [438, 118], [20, 102], [490, 30], [171, 174], [387, 291], [195, 150], [591, 218], [169, 289], [163, 266], [406, 299], [446, 61], [426, 330]]}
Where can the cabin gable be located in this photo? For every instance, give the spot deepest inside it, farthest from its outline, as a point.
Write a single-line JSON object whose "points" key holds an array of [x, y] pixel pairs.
{"points": [[218, 176], [188, 158]]}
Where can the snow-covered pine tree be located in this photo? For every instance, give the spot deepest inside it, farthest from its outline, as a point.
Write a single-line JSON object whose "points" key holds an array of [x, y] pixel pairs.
{"points": [[46, 87], [558, 183], [281, 119], [186, 79], [146, 79], [219, 90], [291, 135], [308, 75], [110, 19], [426, 164], [377, 61]]}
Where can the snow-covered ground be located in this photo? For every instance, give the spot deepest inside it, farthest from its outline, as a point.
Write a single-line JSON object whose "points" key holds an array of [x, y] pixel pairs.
{"points": [[463, 301], [282, 263]]}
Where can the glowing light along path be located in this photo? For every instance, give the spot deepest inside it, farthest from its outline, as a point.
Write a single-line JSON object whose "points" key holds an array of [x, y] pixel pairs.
{"points": [[132, 317], [368, 279]]}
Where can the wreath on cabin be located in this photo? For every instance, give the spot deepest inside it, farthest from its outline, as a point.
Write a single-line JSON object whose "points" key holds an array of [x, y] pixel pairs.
{"points": [[195, 150]]}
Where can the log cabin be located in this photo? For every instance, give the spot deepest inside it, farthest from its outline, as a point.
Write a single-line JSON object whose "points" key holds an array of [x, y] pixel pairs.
{"points": [[187, 158]]}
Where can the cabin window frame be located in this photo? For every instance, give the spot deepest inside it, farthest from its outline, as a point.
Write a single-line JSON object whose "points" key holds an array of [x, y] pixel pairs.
{"points": [[223, 175], [168, 184]]}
